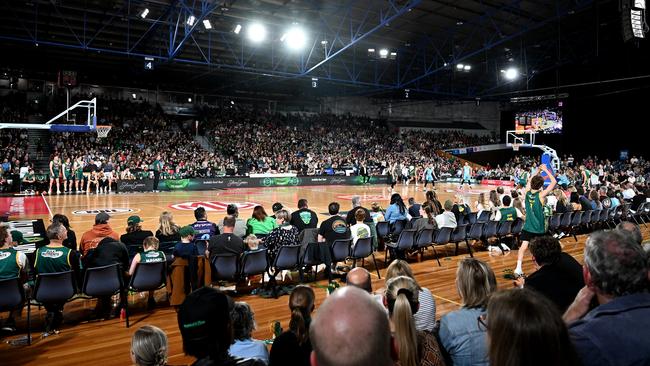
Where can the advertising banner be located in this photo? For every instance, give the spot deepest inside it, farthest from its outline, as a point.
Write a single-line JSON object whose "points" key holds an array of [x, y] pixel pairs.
{"points": [[206, 184], [502, 183]]}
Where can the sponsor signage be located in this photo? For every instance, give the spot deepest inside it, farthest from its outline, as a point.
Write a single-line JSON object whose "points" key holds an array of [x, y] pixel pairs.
{"points": [[110, 211], [502, 183], [212, 205], [146, 185]]}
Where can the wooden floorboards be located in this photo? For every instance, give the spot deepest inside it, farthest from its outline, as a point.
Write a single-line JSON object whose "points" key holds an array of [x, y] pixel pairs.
{"points": [[108, 342]]}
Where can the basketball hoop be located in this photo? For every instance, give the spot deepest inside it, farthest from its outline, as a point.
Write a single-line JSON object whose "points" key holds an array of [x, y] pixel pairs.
{"points": [[515, 147], [102, 131]]}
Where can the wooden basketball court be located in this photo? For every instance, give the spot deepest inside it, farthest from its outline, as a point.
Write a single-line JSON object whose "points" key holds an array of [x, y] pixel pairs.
{"points": [[108, 342]]}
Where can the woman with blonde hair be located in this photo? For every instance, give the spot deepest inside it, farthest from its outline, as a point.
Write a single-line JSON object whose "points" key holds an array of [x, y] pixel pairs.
{"points": [[425, 318], [149, 346], [459, 333], [414, 347], [168, 230]]}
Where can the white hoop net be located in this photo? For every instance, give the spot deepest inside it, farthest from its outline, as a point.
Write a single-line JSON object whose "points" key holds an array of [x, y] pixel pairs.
{"points": [[515, 147], [102, 131]]}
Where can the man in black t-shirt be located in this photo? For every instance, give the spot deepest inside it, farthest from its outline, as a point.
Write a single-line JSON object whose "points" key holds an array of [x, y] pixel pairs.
{"points": [[356, 204], [226, 243], [335, 227], [304, 218]]}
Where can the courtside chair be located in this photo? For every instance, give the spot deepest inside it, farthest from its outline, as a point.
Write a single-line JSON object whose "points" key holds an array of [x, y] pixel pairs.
{"points": [[475, 232], [310, 259], [105, 281], [460, 235], [13, 298], [515, 231], [442, 238], [361, 250], [398, 226], [645, 214], [404, 242], [340, 250], [595, 219], [148, 277], [504, 229], [254, 262], [56, 287], [225, 267], [484, 216], [167, 247], [288, 258], [423, 240], [565, 221], [586, 220], [472, 217], [383, 231], [490, 229], [554, 223], [576, 220], [638, 215], [604, 216]]}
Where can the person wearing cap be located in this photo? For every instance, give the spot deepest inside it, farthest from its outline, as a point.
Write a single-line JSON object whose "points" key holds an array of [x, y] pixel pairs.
{"points": [[13, 264], [186, 248], [134, 234], [206, 329], [202, 225], [275, 208], [91, 238], [17, 238], [240, 225]]}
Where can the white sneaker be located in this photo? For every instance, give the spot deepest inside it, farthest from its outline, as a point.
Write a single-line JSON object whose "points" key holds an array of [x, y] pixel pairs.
{"points": [[518, 272], [504, 247]]}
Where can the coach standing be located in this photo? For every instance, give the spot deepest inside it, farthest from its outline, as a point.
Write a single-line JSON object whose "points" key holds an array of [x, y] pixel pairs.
{"points": [[157, 167]]}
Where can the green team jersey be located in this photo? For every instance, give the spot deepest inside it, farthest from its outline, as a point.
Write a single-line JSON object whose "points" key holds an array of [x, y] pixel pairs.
{"points": [[41, 177], [52, 259], [67, 170], [152, 256], [28, 176], [55, 169], [10, 265], [157, 165], [535, 222], [508, 214]]}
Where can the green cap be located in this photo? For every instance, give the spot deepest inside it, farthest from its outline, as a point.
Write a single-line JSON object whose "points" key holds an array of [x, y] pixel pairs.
{"points": [[134, 219], [186, 231], [17, 237]]}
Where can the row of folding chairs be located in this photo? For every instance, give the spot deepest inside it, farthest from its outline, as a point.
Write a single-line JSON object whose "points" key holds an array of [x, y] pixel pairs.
{"points": [[410, 240], [231, 267], [61, 287], [585, 221]]}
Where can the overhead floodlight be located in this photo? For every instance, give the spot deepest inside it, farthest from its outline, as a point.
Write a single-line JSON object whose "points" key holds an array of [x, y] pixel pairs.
{"points": [[189, 100], [207, 24], [640, 4], [467, 67], [232, 102], [134, 95], [237, 29], [511, 73], [144, 13], [383, 53], [295, 38], [191, 20], [393, 55], [460, 66], [256, 32]]}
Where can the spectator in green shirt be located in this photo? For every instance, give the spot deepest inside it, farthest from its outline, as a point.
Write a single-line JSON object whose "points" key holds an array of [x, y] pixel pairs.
{"points": [[260, 223]]}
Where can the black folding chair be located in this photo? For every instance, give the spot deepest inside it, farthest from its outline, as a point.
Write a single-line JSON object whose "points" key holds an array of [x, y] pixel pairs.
{"points": [[287, 258], [225, 267], [55, 287], [404, 242], [147, 277], [442, 238], [13, 298], [459, 235], [361, 250], [254, 262], [105, 281]]}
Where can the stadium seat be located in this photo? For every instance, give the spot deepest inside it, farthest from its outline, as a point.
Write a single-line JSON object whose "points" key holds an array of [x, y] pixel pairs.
{"points": [[13, 298], [576, 221], [254, 262], [423, 240], [225, 267], [459, 235], [404, 243], [287, 258], [361, 250], [442, 238], [148, 277], [105, 281]]}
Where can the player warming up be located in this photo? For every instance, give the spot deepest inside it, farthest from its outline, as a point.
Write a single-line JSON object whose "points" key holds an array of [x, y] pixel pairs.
{"points": [[467, 176]]}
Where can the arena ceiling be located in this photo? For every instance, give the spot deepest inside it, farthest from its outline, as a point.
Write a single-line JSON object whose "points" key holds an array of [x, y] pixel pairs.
{"points": [[107, 41]]}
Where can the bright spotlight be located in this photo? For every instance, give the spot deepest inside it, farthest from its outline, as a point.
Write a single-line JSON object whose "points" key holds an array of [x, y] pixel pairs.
{"points": [[237, 29], [460, 66], [134, 95], [207, 24], [256, 33], [467, 67], [189, 100], [383, 53], [144, 13], [511, 73], [191, 20], [295, 38]]}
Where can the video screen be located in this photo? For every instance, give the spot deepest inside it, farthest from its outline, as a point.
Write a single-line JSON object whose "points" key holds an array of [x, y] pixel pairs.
{"points": [[543, 120]]}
